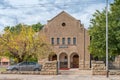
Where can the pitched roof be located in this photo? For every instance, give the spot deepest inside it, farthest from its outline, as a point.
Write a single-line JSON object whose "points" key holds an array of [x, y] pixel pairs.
{"points": [[63, 12]]}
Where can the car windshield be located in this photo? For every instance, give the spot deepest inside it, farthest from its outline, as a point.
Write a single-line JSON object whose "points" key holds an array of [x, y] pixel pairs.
{"points": [[22, 63]]}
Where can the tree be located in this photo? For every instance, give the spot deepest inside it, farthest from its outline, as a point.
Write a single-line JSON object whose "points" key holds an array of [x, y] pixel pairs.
{"points": [[37, 27], [25, 45], [14, 29], [17, 28], [97, 32]]}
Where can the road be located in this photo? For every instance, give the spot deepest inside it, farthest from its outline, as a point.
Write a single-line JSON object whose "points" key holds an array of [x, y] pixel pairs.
{"points": [[55, 77]]}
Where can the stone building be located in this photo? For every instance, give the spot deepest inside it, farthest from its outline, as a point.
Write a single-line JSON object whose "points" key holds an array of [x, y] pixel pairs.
{"points": [[70, 41]]}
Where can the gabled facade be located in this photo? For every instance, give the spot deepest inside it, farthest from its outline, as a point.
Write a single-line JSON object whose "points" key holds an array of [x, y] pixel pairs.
{"points": [[70, 41]]}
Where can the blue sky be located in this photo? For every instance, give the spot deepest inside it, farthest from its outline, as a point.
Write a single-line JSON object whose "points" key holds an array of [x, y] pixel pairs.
{"points": [[13, 12]]}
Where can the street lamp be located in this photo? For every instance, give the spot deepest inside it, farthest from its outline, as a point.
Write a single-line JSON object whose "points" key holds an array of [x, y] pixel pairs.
{"points": [[107, 75]]}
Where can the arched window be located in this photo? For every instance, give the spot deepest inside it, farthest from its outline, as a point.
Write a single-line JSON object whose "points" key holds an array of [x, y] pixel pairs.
{"points": [[69, 40], [63, 40], [74, 41], [52, 41], [58, 40]]}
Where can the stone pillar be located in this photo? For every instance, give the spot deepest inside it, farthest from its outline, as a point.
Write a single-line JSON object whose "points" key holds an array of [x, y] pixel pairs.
{"points": [[68, 61], [81, 65], [58, 57], [87, 65]]}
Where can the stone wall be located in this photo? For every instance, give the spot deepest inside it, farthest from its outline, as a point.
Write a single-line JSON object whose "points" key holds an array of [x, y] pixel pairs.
{"points": [[84, 65], [55, 29], [115, 64], [98, 68], [49, 68]]}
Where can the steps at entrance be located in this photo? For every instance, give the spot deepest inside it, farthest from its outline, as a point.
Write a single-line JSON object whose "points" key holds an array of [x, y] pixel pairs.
{"points": [[75, 72]]}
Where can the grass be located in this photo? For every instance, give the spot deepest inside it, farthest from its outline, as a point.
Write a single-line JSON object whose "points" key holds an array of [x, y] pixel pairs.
{"points": [[2, 69]]}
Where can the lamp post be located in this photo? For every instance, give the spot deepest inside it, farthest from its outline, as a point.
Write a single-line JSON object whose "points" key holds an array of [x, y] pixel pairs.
{"points": [[107, 70]]}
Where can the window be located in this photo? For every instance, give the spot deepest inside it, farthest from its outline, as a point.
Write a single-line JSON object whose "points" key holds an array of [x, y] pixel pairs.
{"points": [[63, 40], [58, 40], [74, 41], [69, 40], [52, 41], [31, 63], [63, 24]]}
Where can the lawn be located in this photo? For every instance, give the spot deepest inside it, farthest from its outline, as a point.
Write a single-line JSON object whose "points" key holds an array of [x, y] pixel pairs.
{"points": [[2, 69]]}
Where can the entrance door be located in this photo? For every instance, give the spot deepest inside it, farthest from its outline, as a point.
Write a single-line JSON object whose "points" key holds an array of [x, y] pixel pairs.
{"points": [[63, 60], [74, 61]]}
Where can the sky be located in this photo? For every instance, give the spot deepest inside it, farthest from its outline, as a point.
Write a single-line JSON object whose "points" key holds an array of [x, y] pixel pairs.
{"points": [[29, 12]]}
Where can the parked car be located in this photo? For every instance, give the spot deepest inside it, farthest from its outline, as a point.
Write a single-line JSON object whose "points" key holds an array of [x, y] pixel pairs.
{"points": [[25, 66]]}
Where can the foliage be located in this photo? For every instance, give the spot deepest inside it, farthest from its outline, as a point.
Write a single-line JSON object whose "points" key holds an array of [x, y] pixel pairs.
{"points": [[97, 32], [17, 28], [37, 27], [25, 45]]}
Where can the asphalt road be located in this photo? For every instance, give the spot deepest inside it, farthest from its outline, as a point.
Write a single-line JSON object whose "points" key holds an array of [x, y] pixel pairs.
{"points": [[55, 77]]}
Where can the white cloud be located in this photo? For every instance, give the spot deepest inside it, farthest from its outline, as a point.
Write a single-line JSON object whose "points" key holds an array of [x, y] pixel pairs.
{"points": [[33, 11], [23, 2]]}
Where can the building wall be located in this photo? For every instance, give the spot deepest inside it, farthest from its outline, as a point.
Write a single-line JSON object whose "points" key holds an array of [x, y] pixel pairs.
{"points": [[65, 26]]}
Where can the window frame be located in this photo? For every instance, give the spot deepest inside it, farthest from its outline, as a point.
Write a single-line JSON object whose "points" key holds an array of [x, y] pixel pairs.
{"points": [[74, 41], [58, 41], [52, 41], [69, 40], [63, 41]]}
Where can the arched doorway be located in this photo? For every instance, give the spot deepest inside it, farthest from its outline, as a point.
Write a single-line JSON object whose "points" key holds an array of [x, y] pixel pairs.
{"points": [[52, 57], [63, 60], [74, 63]]}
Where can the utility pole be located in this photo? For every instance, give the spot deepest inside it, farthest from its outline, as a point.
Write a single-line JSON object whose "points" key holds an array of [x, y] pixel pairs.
{"points": [[107, 69]]}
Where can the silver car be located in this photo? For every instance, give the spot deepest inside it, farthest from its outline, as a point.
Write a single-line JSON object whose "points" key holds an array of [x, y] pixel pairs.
{"points": [[25, 66]]}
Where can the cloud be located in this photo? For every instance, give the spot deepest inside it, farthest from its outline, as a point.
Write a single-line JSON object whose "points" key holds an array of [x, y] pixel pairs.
{"points": [[13, 12], [86, 13], [4, 4]]}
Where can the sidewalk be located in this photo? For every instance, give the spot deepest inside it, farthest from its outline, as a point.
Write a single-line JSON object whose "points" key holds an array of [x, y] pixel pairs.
{"points": [[56, 77]]}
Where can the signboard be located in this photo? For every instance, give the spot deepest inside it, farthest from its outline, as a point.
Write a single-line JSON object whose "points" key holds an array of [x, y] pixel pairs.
{"points": [[63, 46]]}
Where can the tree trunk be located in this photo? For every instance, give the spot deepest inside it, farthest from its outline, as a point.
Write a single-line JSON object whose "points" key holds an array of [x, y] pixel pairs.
{"points": [[20, 60]]}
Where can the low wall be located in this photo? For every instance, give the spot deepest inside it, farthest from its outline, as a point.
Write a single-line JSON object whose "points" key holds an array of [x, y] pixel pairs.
{"points": [[115, 64], [98, 68], [49, 68]]}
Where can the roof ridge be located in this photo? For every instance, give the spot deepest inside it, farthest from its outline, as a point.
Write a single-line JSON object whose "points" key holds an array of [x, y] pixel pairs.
{"points": [[60, 14]]}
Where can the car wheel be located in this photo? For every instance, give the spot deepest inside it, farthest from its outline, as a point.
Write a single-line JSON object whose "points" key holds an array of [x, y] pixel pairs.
{"points": [[14, 69], [36, 69]]}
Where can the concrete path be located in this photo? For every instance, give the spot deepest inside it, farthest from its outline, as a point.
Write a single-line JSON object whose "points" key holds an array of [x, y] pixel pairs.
{"points": [[56, 77], [75, 72]]}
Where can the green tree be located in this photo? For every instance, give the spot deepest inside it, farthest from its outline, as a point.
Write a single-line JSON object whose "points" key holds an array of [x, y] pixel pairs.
{"points": [[24, 46], [17, 28], [37, 27], [14, 29], [97, 32]]}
